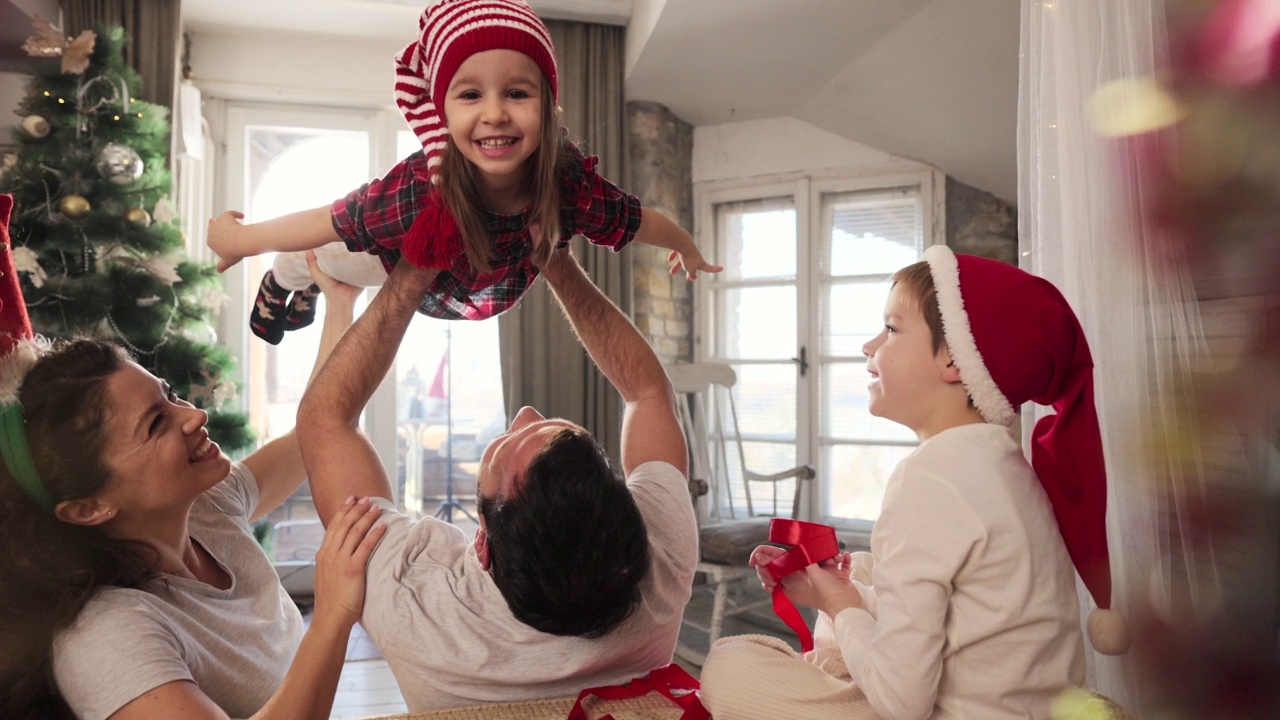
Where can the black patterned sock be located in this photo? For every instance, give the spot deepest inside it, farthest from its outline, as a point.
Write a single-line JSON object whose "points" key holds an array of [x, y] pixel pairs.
{"points": [[267, 319], [302, 308]]}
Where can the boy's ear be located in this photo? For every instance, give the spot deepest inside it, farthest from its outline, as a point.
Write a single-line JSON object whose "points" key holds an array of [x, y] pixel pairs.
{"points": [[950, 373]]}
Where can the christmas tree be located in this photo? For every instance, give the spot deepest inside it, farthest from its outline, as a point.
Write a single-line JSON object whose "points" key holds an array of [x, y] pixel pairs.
{"points": [[96, 242]]}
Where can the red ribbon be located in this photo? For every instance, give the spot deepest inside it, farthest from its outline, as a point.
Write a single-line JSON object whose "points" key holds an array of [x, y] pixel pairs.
{"points": [[811, 543], [672, 681]]}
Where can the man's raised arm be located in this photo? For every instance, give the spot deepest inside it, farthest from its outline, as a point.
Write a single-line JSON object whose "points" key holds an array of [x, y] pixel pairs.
{"points": [[339, 458], [650, 426]]}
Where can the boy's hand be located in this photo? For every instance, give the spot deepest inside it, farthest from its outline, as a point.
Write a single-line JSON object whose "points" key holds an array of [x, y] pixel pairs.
{"points": [[824, 586], [761, 556], [691, 261], [224, 239]]}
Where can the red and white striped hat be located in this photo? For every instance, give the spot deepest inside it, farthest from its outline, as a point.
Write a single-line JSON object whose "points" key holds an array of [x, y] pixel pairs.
{"points": [[452, 31], [1015, 339]]}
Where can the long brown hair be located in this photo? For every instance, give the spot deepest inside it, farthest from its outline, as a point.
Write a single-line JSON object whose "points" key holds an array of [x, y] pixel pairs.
{"points": [[461, 194], [49, 569]]}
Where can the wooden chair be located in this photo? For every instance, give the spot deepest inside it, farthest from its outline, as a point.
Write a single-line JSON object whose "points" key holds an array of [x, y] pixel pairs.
{"points": [[704, 393]]}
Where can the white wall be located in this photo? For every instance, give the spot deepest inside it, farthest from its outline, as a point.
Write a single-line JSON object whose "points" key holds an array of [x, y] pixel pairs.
{"points": [[293, 68], [774, 146], [12, 88]]}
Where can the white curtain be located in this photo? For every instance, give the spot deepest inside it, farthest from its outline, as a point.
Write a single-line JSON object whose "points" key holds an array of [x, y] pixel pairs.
{"points": [[1078, 196]]}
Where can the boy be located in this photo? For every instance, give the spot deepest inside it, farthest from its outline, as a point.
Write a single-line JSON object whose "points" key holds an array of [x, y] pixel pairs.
{"points": [[971, 610]]}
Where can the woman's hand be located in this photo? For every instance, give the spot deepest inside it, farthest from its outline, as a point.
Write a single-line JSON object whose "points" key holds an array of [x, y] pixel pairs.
{"points": [[824, 585], [691, 262], [226, 239], [340, 563]]}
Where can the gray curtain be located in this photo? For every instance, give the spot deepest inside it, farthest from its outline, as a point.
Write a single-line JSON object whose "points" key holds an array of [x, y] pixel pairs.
{"points": [[543, 364], [154, 28]]}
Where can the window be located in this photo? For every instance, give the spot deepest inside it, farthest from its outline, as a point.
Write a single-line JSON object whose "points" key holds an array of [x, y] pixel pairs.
{"points": [[430, 423], [807, 268]]}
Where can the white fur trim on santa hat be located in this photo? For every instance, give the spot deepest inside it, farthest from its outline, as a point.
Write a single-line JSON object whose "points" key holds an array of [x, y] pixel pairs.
{"points": [[1108, 631], [987, 397], [15, 365]]}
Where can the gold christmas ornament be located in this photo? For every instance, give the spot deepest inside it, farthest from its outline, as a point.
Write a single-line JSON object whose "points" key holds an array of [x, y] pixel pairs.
{"points": [[74, 206], [36, 126], [138, 216]]}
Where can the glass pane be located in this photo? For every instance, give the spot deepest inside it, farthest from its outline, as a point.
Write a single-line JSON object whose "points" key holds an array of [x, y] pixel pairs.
{"points": [[874, 232], [845, 399], [757, 323], [767, 498], [757, 239], [406, 144], [854, 477], [291, 169], [448, 407], [766, 401], [854, 313]]}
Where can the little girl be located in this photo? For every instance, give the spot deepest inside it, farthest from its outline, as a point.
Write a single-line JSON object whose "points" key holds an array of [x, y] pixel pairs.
{"points": [[496, 188]]}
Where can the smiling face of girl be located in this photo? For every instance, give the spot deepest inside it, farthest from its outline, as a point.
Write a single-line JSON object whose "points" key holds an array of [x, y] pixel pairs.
{"points": [[493, 108]]}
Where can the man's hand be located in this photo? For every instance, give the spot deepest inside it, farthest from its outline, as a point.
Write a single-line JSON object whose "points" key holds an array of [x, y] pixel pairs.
{"points": [[333, 290]]}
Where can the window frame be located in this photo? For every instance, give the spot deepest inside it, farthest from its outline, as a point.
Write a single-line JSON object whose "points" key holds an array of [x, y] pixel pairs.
{"points": [[808, 190], [229, 191]]}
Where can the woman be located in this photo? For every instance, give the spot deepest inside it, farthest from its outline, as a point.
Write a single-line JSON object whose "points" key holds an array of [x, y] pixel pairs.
{"points": [[132, 584]]}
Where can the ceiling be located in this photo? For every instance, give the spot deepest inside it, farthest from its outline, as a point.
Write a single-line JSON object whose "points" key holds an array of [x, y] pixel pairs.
{"points": [[931, 80]]}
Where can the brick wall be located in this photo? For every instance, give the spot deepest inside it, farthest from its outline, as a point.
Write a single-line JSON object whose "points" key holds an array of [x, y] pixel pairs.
{"points": [[979, 223], [659, 172]]}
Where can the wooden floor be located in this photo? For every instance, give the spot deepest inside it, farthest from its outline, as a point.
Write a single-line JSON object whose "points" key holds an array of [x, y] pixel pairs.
{"points": [[367, 687]]}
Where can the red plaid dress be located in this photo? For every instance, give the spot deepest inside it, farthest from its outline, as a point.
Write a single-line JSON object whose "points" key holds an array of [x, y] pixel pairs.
{"points": [[375, 218]]}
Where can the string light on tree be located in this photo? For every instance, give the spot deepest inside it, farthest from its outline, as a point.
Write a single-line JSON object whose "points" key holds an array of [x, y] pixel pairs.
{"points": [[102, 255]]}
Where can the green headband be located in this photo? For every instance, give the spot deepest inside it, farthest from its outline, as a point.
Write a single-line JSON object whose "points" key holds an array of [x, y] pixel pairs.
{"points": [[17, 454]]}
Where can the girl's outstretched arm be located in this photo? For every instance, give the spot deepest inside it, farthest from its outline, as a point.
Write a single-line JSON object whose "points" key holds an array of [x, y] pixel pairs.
{"points": [[658, 230], [233, 240]]}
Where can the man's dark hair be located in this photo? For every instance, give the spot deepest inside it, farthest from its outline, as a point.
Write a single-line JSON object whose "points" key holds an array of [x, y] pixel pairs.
{"points": [[568, 552]]}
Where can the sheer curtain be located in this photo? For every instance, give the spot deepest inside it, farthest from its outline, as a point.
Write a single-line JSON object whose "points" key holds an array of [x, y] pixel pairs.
{"points": [[154, 28], [1080, 197], [543, 364]]}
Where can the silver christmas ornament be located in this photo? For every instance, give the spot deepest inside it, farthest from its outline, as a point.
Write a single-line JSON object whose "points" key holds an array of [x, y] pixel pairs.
{"points": [[119, 164], [36, 126]]}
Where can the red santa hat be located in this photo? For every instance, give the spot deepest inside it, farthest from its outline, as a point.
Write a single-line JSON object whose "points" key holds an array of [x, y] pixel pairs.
{"points": [[18, 353], [15, 325], [450, 32], [1015, 339]]}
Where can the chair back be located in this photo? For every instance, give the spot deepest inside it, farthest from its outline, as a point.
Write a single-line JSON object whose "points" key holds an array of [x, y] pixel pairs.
{"points": [[709, 417]]}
